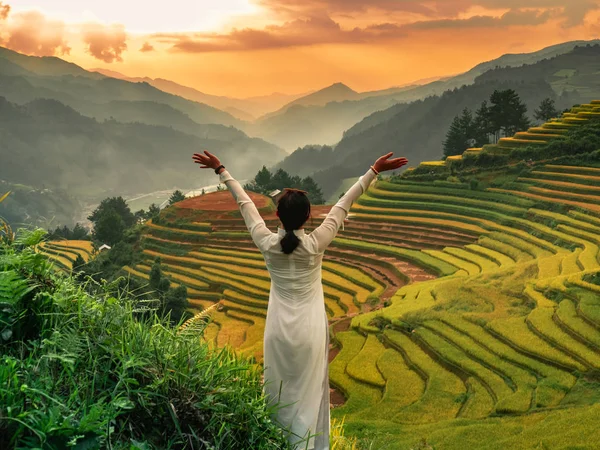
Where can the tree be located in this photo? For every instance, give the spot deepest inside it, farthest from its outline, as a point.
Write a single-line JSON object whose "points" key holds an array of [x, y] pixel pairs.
{"points": [[264, 183], [153, 211], [79, 262], [507, 113], [482, 125], [155, 274], [177, 196], [176, 298], [116, 204], [111, 218], [281, 179], [203, 192], [461, 130], [263, 178], [546, 111], [315, 195], [109, 227]]}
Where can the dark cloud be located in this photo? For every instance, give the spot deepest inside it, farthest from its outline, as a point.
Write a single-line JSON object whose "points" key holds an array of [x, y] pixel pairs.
{"points": [[31, 33], [105, 42], [511, 18], [147, 47]]}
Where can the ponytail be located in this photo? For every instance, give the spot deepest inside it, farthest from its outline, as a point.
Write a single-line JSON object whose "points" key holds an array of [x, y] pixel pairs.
{"points": [[289, 242]]}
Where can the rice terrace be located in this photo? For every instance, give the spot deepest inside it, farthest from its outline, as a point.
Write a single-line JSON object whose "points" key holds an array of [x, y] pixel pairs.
{"points": [[476, 325]]}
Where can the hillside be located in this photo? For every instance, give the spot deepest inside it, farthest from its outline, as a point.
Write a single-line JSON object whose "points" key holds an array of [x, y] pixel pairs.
{"points": [[88, 92], [47, 144], [463, 296], [310, 125], [417, 130], [337, 92]]}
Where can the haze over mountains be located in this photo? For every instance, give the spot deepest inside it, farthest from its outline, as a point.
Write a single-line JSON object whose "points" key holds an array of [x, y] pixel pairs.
{"points": [[243, 108], [417, 129], [100, 135], [70, 130]]}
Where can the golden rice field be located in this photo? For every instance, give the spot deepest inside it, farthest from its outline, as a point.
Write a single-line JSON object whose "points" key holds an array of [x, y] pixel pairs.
{"points": [[537, 135], [465, 318], [460, 318], [63, 253]]}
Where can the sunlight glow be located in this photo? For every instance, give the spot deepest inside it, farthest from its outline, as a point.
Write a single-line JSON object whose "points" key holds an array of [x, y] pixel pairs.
{"points": [[141, 16]]}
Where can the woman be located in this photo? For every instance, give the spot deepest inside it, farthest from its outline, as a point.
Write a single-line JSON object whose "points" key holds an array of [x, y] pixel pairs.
{"points": [[296, 341]]}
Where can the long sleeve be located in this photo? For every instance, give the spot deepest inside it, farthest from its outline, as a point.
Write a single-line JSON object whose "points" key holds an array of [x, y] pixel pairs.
{"points": [[255, 223], [325, 232]]}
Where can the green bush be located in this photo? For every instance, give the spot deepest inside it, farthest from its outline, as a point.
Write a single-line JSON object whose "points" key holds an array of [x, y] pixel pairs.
{"points": [[92, 372]]}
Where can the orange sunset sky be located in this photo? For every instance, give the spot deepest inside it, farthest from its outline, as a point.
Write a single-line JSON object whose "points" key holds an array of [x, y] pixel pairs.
{"points": [[244, 48]]}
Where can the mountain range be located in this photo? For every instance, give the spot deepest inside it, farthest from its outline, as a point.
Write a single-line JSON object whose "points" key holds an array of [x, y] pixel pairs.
{"points": [[65, 128], [303, 122], [94, 134], [417, 129], [246, 109]]}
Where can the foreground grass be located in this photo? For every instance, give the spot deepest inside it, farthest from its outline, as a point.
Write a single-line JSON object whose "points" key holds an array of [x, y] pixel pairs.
{"points": [[100, 372]]}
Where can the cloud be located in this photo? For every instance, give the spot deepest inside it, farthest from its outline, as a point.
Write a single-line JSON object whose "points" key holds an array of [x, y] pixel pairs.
{"points": [[105, 42], [508, 19], [313, 30], [147, 47], [322, 29], [4, 10], [572, 12], [33, 34], [294, 7]]}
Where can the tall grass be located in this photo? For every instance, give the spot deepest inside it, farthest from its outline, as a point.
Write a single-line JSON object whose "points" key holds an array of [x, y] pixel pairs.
{"points": [[88, 372]]}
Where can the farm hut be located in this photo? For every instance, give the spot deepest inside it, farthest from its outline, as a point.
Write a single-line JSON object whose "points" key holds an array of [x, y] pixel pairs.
{"points": [[275, 195]]}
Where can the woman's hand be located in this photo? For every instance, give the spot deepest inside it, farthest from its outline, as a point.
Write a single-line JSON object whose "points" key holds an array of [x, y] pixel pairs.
{"points": [[384, 163], [207, 161]]}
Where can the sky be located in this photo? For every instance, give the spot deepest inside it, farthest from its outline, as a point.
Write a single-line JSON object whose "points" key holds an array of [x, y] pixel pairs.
{"points": [[244, 48]]}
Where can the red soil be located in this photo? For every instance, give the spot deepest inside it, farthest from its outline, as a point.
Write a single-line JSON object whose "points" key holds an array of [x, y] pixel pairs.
{"points": [[220, 201]]}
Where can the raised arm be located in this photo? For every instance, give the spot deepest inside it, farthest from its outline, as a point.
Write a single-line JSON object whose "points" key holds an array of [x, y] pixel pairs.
{"points": [[326, 232], [255, 223]]}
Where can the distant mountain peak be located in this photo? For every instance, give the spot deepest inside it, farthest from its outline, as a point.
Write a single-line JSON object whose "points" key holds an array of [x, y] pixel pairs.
{"points": [[339, 86]]}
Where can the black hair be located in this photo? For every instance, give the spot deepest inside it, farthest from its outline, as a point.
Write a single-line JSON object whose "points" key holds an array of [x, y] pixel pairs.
{"points": [[294, 210]]}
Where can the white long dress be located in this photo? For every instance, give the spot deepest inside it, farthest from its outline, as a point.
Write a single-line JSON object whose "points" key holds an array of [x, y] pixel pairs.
{"points": [[296, 340]]}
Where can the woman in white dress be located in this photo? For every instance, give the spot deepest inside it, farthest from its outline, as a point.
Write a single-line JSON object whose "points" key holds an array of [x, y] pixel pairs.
{"points": [[296, 340]]}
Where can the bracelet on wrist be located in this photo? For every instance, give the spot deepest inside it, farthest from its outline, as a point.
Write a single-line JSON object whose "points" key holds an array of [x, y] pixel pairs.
{"points": [[373, 169], [219, 168]]}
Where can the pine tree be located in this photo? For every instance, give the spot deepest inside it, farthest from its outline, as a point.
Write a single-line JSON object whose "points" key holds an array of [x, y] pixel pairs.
{"points": [[155, 274], [482, 125], [263, 178], [79, 262], [546, 111], [461, 130], [153, 211], [315, 195], [177, 196]]}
